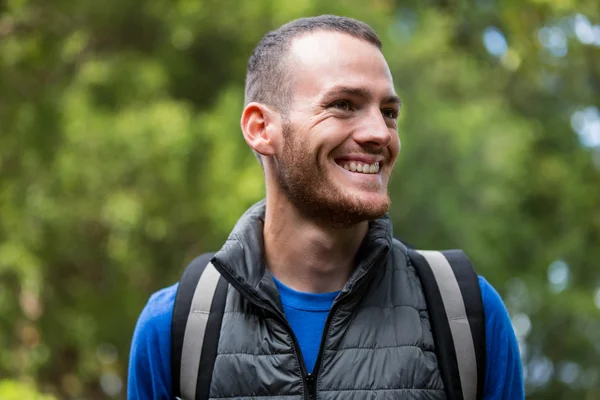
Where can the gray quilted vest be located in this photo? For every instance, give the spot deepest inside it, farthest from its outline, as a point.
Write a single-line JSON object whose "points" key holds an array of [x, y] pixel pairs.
{"points": [[377, 342]]}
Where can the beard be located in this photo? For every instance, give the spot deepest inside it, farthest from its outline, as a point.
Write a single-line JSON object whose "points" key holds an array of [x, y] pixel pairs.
{"points": [[314, 193]]}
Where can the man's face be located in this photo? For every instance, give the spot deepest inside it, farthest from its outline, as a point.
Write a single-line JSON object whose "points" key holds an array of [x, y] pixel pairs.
{"points": [[340, 134]]}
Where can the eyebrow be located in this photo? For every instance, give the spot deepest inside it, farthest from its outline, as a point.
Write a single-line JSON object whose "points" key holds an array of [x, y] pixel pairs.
{"points": [[361, 92]]}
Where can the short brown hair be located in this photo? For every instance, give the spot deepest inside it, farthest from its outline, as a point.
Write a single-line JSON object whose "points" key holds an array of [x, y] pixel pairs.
{"points": [[267, 79]]}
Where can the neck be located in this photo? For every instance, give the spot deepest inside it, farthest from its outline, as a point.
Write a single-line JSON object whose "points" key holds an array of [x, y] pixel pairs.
{"points": [[306, 255]]}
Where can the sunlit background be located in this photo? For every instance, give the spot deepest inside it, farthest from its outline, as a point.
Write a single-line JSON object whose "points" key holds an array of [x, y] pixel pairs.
{"points": [[121, 159]]}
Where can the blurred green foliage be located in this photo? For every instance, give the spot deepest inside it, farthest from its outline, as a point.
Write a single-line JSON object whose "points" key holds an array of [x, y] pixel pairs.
{"points": [[10, 390], [121, 158]]}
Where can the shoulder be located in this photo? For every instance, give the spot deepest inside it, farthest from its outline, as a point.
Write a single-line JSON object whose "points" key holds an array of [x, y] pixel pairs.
{"points": [[158, 310], [504, 377], [150, 355], [500, 335], [496, 313]]}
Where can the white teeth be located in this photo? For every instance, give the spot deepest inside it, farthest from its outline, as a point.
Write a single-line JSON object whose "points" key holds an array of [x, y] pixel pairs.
{"points": [[362, 168]]}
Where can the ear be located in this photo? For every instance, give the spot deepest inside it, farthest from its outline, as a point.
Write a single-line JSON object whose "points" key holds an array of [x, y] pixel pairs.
{"points": [[261, 127]]}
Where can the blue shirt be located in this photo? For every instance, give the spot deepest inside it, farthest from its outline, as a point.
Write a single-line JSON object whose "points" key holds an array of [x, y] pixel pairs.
{"points": [[306, 314], [150, 356]]}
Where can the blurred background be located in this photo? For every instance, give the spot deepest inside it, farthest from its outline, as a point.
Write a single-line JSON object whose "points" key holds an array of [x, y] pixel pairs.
{"points": [[121, 159]]}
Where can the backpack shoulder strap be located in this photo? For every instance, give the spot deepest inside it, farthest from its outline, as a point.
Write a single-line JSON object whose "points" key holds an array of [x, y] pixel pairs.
{"points": [[455, 306], [196, 327]]}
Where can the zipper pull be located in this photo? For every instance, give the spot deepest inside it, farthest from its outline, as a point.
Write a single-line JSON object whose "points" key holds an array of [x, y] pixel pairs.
{"points": [[311, 386]]}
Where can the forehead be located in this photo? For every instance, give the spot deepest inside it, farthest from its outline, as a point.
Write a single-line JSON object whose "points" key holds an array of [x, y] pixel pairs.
{"points": [[322, 60]]}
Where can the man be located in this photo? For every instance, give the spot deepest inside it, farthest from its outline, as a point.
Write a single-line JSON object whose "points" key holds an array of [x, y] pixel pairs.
{"points": [[322, 302]]}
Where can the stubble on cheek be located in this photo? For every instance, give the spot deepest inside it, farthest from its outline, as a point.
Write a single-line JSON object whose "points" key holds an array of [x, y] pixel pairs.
{"points": [[311, 188]]}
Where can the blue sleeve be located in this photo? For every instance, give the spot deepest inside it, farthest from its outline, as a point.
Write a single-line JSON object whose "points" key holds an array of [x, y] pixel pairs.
{"points": [[149, 374], [504, 376]]}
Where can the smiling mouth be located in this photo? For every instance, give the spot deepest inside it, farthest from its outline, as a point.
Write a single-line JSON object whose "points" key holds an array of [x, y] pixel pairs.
{"points": [[360, 167]]}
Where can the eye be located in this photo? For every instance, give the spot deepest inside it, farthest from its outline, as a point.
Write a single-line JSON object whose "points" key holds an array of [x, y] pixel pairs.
{"points": [[343, 105], [390, 113]]}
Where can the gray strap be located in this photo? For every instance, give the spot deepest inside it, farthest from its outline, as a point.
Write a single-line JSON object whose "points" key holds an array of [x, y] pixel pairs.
{"points": [[457, 318], [195, 329]]}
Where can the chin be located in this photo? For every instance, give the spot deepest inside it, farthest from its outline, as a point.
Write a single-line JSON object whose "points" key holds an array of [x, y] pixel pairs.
{"points": [[374, 198], [360, 207], [374, 208], [340, 200]]}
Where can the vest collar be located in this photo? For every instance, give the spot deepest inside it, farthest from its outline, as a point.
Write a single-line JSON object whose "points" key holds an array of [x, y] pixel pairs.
{"points": [[241, 259]]}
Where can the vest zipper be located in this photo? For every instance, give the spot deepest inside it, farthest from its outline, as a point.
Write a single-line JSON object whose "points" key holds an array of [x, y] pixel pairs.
{"points": [[307, 379], [310, 380], [311, 387], [330, 317]]}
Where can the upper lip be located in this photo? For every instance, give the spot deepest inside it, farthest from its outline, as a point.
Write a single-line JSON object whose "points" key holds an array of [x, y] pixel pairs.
{"points": [[363, 158]]}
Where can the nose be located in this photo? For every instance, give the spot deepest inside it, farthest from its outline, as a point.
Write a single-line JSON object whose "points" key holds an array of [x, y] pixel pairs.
{"points": [[375, 132]]}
